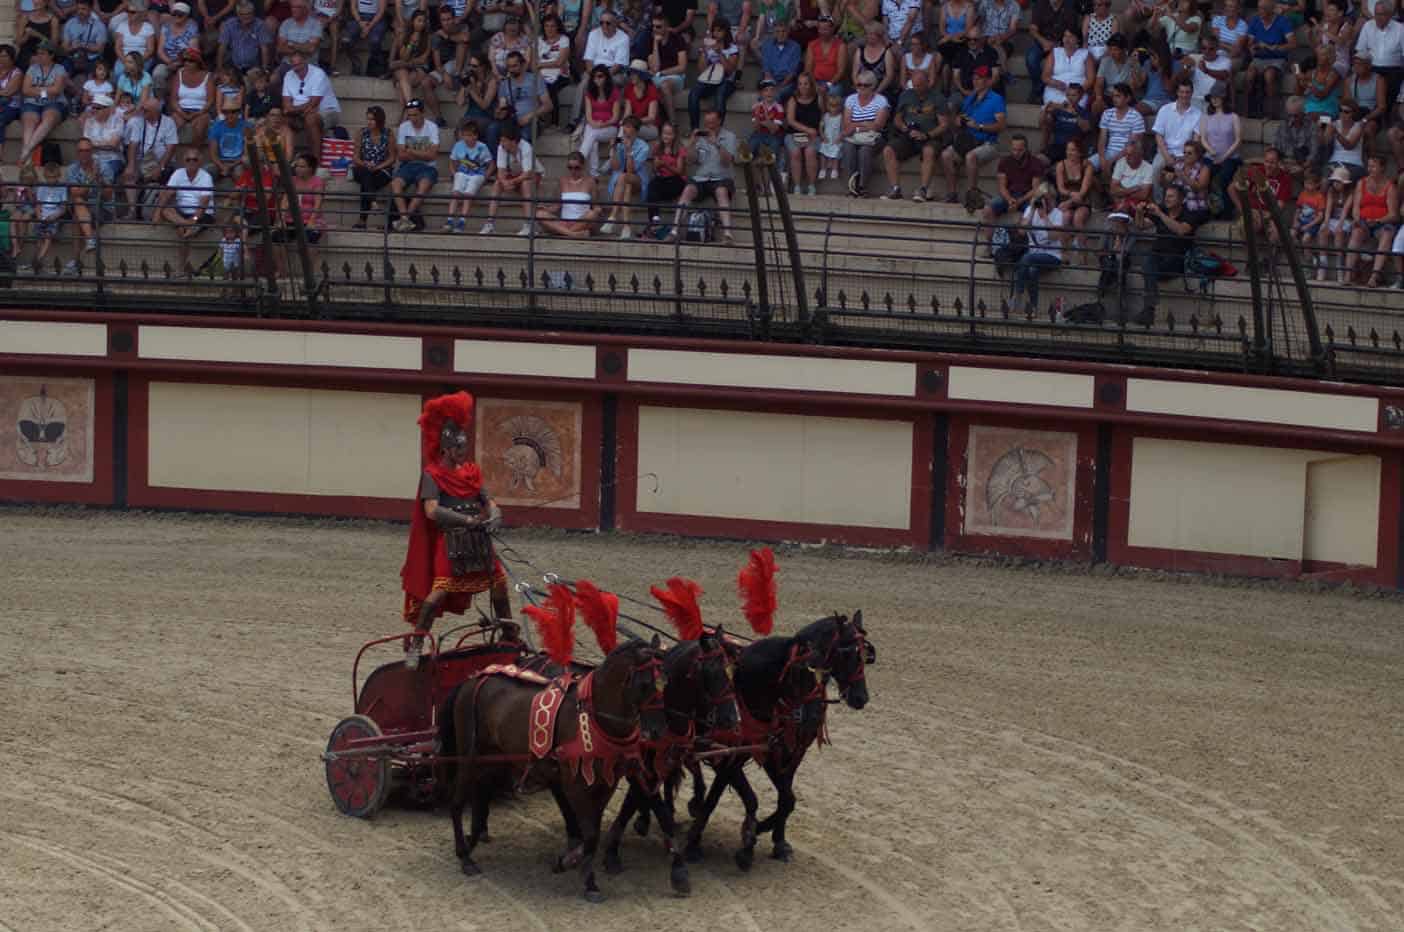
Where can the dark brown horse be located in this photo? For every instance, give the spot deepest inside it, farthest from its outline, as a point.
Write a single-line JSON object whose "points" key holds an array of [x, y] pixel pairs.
{"points": [[782, 684], [485, 736], [699, 699]]}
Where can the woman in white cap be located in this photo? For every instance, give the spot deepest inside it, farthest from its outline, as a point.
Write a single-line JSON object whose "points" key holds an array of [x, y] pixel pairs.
{"points": [[642, 100], [103, 127], [1340, 195]]}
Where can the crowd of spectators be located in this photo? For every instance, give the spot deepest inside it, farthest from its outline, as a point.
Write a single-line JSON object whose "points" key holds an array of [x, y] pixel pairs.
{"points": [[1139, 111]]}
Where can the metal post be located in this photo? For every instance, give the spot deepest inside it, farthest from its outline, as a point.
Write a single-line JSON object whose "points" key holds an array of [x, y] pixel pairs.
{"points": [[265, 217], [787, 221], [309, 276], [758, 241], [1261, 350], [387, 271], [1294, 262], [974, 254]]}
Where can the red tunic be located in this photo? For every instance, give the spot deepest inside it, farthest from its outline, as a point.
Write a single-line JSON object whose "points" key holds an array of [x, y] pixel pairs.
{"points": [[427, 568]]}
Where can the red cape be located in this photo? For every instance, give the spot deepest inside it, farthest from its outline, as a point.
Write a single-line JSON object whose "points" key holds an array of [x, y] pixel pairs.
{"points": [[417, 575]]}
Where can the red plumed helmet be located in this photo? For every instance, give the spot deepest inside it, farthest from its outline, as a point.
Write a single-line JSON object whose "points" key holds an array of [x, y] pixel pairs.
{"points": [[555, 622], [457, 407], [679, 603], [600, 612], [756, 585]]}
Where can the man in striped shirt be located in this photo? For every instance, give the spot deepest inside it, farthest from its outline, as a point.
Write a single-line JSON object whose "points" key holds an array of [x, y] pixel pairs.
{"points": [[1121, 127]]}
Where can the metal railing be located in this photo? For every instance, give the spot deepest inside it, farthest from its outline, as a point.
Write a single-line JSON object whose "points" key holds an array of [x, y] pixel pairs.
{"points": [[792, 274]]}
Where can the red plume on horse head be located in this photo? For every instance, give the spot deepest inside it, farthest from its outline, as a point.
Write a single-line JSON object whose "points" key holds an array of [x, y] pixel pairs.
{"points": [[457, 407], [756, 584], [679, 603], [555, 621], [600, 612]]}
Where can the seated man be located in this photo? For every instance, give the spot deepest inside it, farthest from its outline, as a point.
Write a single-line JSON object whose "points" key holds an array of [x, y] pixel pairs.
{"points": [[921, 125], [309, 102], [1018, 175], [84, 40], [1297, 138], [518, 176], [1270, 174], [368, 20], [243, 40], [982, 117], [187, 203], [712, 152], [781, 60], [1172, 228], [977, 53], [1066, 122], [417, 150], [666, 53], [299, 33], [1131, 185], [227, 149]]}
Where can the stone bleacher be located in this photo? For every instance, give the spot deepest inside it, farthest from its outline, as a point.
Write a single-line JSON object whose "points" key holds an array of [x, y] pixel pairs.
{"points": [[1231, 297]]}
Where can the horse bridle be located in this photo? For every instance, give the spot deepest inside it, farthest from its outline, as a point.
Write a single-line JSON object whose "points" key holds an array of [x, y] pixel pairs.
{"points": [[650, 669], [727, 693], [839, 651]]}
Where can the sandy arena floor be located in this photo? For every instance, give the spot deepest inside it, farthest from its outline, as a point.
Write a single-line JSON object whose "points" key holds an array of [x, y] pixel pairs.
{"points": [[1044, 749]]}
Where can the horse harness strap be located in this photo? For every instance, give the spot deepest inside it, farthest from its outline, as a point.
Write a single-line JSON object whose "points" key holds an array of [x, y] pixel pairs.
{"points": [[593, 744]]}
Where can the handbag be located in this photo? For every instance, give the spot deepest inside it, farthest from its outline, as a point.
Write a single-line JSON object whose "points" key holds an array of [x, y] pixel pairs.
{"points": [[865, 137], [712, 74], [800, 139], [965, 142]]}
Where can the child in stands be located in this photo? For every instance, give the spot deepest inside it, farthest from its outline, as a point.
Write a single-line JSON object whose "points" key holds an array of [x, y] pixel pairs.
{"points": [[831, 137], [1340, 191], [52, 198], [472, 163], [1310, 217]]}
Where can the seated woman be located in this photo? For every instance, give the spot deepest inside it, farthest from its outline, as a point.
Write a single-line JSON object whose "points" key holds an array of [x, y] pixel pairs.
{"points": [[1192, 171], [191, 95], [604, 107], [631, 169], [412, 67], [576, 216], [1075, 179], [1221, 136], [1374, 218], [553, 52], [308, 188], [642, 100], [670, 178], [1320, 88], [1340, 199], [1044, 225], [45, 105]]}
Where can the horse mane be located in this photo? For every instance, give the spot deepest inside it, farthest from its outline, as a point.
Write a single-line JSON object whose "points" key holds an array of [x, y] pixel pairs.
{"points": [[679, 603], [555, 621], [600, 612], [756, 586]]}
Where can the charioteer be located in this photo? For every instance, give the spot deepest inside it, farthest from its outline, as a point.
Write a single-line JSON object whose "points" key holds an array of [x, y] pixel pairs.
{"points": [[451, 556]]}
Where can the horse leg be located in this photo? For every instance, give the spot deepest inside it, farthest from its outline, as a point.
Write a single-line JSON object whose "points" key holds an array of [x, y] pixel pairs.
{"points": [[773, 766], [482, 799], [724, 775], [784, 786], [699, 788], [570, 857], [677, 871], [612, 863], [590, 805], [746, 854]]}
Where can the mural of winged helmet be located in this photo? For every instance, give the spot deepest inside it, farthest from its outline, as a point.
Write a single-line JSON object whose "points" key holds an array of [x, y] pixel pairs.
{"points": [[536, 448], [1016, 482], [41, 431]]}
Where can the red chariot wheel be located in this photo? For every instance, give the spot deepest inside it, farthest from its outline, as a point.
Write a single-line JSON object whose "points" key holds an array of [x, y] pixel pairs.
{"points": [[358, 785]]}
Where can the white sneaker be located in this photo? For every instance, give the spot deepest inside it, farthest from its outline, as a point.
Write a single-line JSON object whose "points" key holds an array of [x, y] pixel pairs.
{"points": [[813, 190], [607, 228], [626, 233], [488, 227], [525, 231], [90, 245]]}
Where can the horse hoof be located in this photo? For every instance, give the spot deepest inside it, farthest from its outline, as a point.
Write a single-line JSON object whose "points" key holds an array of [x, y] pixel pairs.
{"points": [[612, 864], [641, 826], [469, 868], [745, 858], [594, 896], [783, 852], [693, 854], [682, 884]]}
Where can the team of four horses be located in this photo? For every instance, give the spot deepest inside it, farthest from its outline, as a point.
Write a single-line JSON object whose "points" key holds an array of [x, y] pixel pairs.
{"points": [[481, 719]]}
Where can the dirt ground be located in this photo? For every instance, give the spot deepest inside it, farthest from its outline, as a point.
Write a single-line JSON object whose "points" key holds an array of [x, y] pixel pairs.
{"points": [[1043, 750]]}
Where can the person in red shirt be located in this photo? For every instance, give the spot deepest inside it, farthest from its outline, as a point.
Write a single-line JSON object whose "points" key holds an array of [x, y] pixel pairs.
{"points": [[642, 100], [768, 126], [1271, 174]]}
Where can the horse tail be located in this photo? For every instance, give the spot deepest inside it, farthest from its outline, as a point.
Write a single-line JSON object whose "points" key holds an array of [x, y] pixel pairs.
{"points": [[448, 740]]}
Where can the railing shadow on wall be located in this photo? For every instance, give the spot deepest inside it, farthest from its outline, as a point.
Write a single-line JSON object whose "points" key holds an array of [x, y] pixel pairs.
{"points": [[825, 277]]}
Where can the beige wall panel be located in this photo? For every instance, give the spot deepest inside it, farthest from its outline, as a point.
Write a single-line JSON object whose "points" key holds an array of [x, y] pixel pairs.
{"points": [[58, 339], [506, 357], [363, 443], [793, 373], [776, 467], [1260, 405], [1218, 497], [1016, 386], [280, 347], [1343, 510], [295, 441]]}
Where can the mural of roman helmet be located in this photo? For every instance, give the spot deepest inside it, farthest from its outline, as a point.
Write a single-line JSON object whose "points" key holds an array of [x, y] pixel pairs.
{"points": [[41, 431]]}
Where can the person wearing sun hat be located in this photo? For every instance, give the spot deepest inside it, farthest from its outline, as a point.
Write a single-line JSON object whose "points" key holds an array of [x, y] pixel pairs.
{"points": [[642, 100], [176, 35], [103, 126]]}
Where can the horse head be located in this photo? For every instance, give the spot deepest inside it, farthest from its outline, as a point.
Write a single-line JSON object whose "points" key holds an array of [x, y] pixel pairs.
{"points": [[716, 705], [841, 651], [634, 673]]}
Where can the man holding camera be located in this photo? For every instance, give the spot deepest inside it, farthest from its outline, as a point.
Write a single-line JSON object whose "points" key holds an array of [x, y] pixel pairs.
{"points": [[921, 125], [982, 119], [1173, 230], [712, 150]]}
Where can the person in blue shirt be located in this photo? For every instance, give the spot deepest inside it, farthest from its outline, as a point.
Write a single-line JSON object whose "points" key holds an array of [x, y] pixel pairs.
{"points": [[982, 118], [472, 163], [781, 60], [227, 141], [1270, 37]]}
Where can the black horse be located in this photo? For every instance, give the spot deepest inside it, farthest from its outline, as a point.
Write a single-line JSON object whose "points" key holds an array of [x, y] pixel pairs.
{"points": [[698, 700], [484, 736], [782, 685]]}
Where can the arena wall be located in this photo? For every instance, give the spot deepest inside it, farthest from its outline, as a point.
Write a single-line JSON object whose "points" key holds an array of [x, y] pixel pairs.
{"points": [[1179, 470]]}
